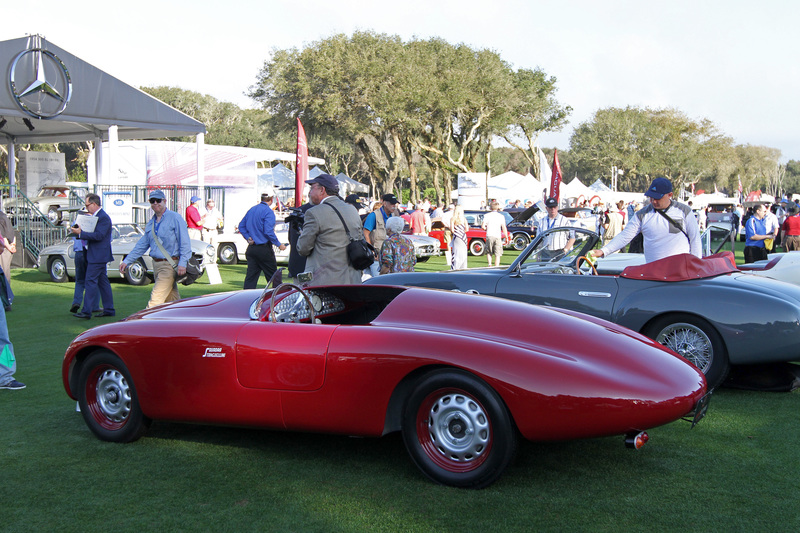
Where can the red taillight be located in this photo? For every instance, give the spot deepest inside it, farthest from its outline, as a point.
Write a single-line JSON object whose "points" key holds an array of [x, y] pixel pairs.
{"points": [[636, 440]]}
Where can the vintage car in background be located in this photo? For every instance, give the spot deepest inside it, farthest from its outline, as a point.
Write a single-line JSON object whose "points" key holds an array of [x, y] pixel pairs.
{"points": [[519, 227], [706, 310], [231, 247], [50, 202], [460, 376], [58, 260]]}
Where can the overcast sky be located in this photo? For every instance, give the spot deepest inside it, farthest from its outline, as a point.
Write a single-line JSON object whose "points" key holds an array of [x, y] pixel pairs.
{"points": [[731, 61]]}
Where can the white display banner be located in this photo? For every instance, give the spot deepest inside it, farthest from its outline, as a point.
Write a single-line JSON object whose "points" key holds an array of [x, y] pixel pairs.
{"points": [[118, 206]]}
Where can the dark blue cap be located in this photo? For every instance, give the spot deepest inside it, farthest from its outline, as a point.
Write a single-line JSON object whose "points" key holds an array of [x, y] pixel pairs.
{"points": [[659, 188]]}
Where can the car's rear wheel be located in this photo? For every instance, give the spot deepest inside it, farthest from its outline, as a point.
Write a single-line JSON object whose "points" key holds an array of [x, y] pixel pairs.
{"points": [[226, 253], [458, 430], [477, 246], [136, 273], [57, 268], [108, 400], [520, 241], [696, 340]]}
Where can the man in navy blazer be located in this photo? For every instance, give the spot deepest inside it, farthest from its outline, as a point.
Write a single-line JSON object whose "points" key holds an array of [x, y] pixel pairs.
{"points": [[98, 254]]}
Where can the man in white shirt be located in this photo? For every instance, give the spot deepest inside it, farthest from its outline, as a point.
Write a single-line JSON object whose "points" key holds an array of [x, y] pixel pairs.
{"points": [[495, 225], [668, 227], [560, 242]]}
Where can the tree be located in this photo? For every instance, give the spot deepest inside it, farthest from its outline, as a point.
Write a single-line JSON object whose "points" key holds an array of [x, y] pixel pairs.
{"points": [[532, 110]]}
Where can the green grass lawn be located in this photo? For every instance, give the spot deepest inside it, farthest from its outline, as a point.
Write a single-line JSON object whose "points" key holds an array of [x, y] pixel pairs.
{"points": [[736, 471]]}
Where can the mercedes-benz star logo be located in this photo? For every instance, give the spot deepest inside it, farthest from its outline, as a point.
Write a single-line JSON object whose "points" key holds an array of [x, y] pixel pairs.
{"points": [[40, 83]]}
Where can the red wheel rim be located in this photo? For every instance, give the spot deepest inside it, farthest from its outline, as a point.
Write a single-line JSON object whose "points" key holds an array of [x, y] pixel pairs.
{"points": [[108, 397], [454, 430]]}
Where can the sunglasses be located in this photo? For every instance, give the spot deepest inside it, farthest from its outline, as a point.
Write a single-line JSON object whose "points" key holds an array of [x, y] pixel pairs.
{"points": [[155, 200]]}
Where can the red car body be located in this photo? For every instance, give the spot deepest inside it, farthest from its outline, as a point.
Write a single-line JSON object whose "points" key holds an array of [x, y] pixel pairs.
{"points": [[380, 359]]}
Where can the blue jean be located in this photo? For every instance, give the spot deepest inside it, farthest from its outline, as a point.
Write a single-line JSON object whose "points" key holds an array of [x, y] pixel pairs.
{"points": [[80, 277], [8, 363]]}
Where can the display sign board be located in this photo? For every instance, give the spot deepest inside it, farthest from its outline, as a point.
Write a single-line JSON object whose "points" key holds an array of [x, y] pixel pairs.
{"points": [[37, 169], [118, 206]]}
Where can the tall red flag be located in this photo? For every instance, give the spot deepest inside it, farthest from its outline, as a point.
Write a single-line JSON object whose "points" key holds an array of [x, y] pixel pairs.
{"points": [[301, 166], [555, 178]]}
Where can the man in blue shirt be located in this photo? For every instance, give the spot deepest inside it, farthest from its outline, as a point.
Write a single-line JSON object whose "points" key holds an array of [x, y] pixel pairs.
{"points": [[258, 228], [170, 228], [375, 226], [756, 232]]}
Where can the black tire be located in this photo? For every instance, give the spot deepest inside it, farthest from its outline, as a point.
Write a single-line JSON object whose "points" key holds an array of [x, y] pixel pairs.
{"points": [[477, 247], [136, 273], [457, 430], [696, 340], [57, 268], [520, 241], [108, 400], [226, 254]]}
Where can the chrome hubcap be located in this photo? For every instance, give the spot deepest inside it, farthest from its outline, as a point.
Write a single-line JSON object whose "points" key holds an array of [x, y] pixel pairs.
{"points": [[690, 342], [459, 428], [113, 395]]}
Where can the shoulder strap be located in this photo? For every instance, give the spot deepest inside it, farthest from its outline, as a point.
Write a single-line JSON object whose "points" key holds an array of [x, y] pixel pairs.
{"points": [[675, 224], [161, 246], [342, 219]]}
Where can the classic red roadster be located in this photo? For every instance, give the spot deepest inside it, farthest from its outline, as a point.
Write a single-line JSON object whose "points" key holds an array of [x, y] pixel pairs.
{"points": [[461, 376]]}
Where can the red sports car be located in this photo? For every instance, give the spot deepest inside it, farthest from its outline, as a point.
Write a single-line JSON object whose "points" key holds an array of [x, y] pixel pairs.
{"points": [[460, 376]]}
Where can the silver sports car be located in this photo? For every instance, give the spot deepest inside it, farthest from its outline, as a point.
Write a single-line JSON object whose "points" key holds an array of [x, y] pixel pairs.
{"points": [[58, 260]]}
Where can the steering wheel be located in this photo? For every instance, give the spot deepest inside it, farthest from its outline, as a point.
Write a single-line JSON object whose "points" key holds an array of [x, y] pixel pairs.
{"points": [[273, 317], [592, 269]]}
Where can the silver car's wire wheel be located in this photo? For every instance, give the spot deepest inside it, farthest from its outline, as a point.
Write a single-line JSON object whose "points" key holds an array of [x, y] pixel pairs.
{"points": [[689, 341], [458, 433]]}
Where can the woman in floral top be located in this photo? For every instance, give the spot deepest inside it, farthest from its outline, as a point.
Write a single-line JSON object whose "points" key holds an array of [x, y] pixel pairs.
{"points": [[397, 252]]}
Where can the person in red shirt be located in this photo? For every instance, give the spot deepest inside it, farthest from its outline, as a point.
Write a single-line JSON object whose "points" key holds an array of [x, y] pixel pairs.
{"points": [[193, 219], [791, 229]]}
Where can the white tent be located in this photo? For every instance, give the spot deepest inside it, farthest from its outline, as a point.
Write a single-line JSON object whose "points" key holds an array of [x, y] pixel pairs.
{"points": [[511, 186]]}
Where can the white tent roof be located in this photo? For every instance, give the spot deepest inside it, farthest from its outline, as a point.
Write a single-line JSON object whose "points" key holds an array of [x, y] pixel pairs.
{"points": [[98, 100]]}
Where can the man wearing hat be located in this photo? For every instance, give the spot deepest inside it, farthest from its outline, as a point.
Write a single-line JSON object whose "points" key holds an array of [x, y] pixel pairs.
{"points": [[168, 228], [324, 239], [668, 227], [258, 228], [193, 219], [560, 242], [375, 225]]}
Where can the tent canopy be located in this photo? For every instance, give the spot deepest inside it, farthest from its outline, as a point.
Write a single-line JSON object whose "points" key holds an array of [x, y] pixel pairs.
{"points": [[97, 102]]}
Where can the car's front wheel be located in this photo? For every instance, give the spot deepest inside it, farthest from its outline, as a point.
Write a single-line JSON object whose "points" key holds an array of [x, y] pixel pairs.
{"points": [[53, 215], [696, 340], [108, 400], [136, 273], [457, 430], [57, 268], [477, 246], [226, 253]]}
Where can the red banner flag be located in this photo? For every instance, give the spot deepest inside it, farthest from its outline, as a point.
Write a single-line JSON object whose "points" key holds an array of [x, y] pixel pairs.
{"points": [[555, 178], [301, 166]]}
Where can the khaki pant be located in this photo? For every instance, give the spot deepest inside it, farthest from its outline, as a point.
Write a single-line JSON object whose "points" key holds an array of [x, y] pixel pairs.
{"points": [[165, 288]]}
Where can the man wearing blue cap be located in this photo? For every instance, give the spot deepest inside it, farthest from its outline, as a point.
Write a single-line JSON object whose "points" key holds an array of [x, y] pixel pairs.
{"points": [[194, 222], [668, 227], [166, 231]]}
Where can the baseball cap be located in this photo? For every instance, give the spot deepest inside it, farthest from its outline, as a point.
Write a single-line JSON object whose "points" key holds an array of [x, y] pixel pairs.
{"points": [[326, 180], [391, 198], [354, 200], [659, 188], [551, 202], [158, 193], [267, 190], [194, 199]]}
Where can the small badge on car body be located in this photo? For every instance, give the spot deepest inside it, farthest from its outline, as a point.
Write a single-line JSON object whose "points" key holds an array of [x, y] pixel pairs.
{"points": [[214, 352]]}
